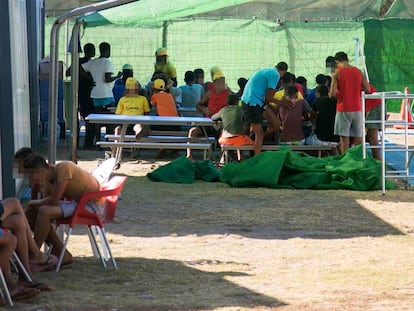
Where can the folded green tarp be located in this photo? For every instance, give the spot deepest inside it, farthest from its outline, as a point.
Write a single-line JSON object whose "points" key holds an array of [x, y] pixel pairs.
{"points": [[184, 171]]}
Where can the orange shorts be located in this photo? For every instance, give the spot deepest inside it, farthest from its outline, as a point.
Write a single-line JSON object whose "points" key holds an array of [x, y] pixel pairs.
{"points": [[236, 140]]}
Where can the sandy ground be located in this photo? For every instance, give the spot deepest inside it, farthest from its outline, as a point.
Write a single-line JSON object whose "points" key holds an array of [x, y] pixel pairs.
{"points": [[207, 246]]}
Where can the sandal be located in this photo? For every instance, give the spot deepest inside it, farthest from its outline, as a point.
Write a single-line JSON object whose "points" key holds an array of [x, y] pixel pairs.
{"points": [[48, 265], [41, 286], [24, 293], [41, 267]]}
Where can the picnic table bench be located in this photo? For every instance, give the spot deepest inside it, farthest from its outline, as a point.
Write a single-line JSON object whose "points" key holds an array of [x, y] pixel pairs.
{"points": [[154, 141]]}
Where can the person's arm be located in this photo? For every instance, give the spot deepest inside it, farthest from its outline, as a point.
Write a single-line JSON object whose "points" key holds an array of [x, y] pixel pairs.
{"points": [[365, 85], [334, 85], [109, 78], [274, 103], [216, 116], [202, 103], [54, 197]]}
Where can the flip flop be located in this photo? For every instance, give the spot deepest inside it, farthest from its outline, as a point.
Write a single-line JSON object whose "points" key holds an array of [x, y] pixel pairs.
{"points": [[48, 265], [53, 259], [24, 293], [41, 267], [41, 286]]}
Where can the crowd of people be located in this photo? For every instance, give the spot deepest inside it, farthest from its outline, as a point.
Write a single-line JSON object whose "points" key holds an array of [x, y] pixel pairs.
{"points": [[277, 107]]}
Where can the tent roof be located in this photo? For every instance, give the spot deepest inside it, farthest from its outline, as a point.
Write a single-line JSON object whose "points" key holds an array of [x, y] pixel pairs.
{"points": [[154, 12]]}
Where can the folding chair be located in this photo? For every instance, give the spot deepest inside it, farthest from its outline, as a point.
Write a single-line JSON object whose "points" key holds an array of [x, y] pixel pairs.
{"points": [[5, 294], [110, 190]]}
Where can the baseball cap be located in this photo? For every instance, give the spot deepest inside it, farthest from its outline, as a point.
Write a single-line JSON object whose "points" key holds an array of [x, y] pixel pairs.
{"points": [[161, 51], [216, 73], [127, 67], [131, 84], [159, 84]]}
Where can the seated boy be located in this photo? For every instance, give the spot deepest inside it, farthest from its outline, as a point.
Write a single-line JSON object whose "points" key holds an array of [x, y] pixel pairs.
{"points": [[232, 122], [63, 185], [324, 111], [291, 128], [133, 104]]}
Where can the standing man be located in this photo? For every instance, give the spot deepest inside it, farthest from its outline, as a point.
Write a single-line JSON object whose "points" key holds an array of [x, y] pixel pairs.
{"points": [[347, 84], [85, 103], [101, 70], [258, 92], [163, 64]]}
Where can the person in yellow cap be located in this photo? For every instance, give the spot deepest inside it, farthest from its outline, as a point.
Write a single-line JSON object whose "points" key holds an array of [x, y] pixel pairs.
{"points": [[212, 102], [163, 64], [133, 104], [163, 101], [165, 106]]}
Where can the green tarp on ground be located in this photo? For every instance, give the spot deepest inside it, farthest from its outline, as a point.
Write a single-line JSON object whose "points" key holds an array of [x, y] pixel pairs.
{"points": [[184, 171], [283, 169]]}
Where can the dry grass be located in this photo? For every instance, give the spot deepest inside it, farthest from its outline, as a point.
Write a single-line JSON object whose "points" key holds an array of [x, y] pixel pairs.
{"points": [[206, 246]]}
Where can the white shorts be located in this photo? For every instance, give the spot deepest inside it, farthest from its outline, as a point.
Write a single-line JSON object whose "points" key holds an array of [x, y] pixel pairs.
{"points": [[68, 208]]}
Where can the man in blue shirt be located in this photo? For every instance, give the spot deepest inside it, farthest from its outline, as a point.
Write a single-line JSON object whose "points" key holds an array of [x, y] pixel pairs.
{"points": [[259, 92]]}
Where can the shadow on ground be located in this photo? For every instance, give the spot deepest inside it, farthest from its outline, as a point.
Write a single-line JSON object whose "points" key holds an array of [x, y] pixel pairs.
{"points": [[161, 209], [145, 284]]}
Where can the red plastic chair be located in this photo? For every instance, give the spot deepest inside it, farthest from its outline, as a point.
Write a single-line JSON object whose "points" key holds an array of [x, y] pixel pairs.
{"points": [[81, 216]]}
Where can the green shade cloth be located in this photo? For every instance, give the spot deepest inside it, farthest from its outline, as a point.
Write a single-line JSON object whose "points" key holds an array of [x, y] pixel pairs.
{"points": [[182, 170], [289, 169], [282, 169]]}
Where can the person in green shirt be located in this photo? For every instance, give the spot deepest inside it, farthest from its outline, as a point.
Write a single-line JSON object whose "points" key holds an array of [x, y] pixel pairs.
{"points": [[163, 64], [231, 117]]}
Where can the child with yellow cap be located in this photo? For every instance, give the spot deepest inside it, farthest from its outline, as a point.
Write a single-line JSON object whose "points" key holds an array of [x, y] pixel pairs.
{"points": [[163, 64], [133, 104]]}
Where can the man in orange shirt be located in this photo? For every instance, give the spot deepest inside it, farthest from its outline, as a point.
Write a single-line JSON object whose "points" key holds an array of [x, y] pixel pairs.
{"points": [[347, 84]]}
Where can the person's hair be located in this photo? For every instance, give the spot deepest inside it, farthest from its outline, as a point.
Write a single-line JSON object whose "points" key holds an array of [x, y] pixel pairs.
{"points": [[301, 80], [232, 99], [328, 80], [322, 90], [198, 72], [127, 73], [35, 161], [282, 66], [104, 47], [287, 78], [320, 79], [291, 90], [341, 57], [23, 153], [189, 76], [158, 74], [330, 61], [89, 50], [241, 82]]}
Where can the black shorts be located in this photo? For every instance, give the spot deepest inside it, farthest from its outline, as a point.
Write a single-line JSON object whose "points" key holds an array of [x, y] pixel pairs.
{"points": [[252, 114]]}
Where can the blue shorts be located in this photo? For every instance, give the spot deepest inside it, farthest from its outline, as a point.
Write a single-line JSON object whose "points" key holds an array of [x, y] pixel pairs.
{"points": [[1, 209], [102, 102]]}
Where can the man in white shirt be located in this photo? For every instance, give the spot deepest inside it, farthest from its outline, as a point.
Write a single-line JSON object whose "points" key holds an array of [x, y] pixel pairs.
{"points": [[101, 70]]}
